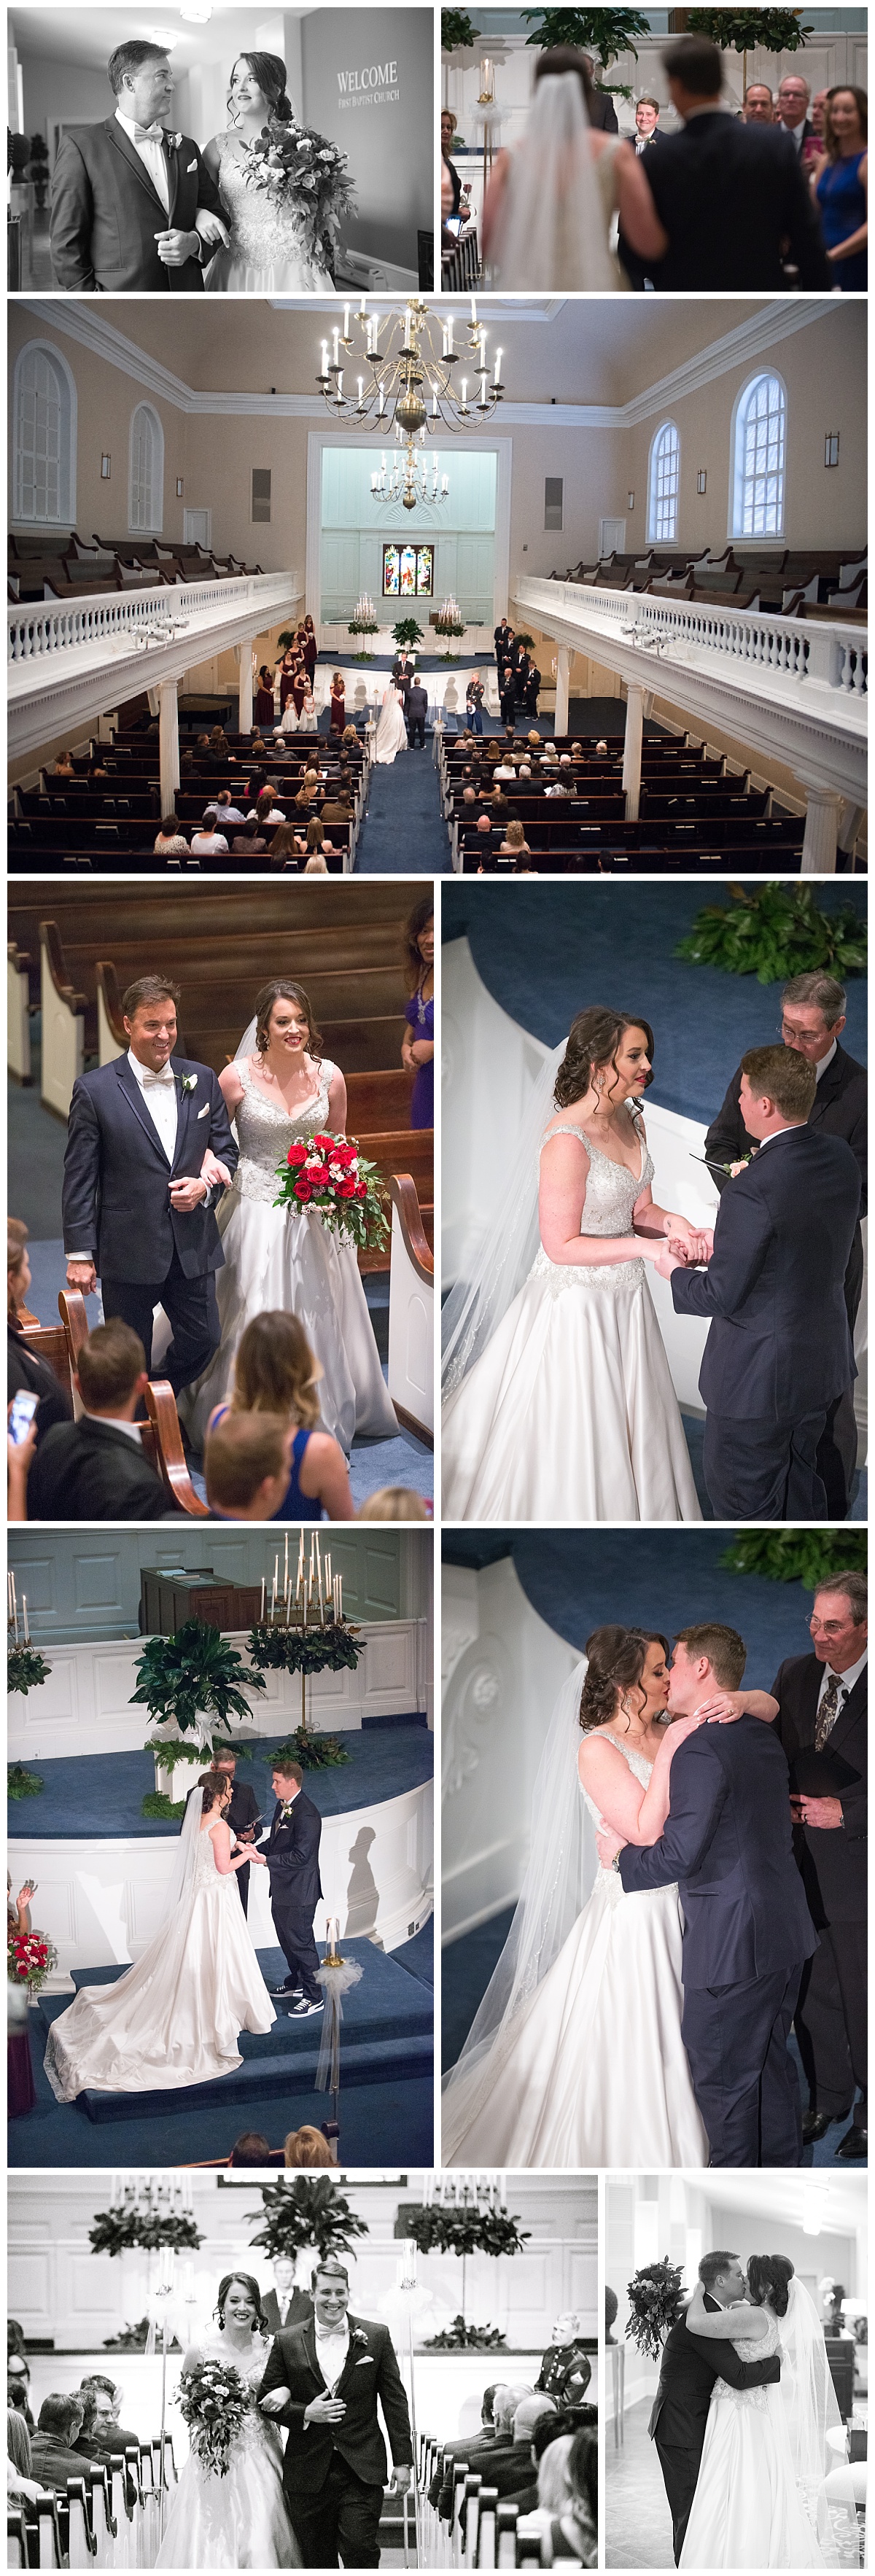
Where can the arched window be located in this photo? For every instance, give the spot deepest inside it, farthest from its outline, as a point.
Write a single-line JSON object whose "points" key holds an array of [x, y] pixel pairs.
{"points": [[44, 438], [664, 486], [758, 459], [146, 503]]}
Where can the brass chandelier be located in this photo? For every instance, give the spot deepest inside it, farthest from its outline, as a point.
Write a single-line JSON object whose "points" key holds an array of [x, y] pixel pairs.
{"points": [[410, 387]]}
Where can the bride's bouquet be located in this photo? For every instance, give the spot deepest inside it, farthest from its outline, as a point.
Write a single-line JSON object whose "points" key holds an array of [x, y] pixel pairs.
{"points": [[655, 2302], [332, 1177], [213, 2401], [30, 1958], [302, 170]]}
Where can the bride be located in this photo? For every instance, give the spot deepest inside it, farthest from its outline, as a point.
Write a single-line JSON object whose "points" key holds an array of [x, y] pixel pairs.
{"points": [[577, 2047], [559, 1401], [268, 253], [391, 733], [552, 196], [175, 2017], [239, 2520], [760, 2499], [278, 1091]]}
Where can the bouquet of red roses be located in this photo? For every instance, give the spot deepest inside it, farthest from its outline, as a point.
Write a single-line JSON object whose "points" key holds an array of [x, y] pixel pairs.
{"points": [[331, 1176], [29, 1958]]}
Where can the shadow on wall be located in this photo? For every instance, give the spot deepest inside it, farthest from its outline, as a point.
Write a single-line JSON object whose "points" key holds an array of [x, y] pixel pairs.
{"points": [[362, 1895]]}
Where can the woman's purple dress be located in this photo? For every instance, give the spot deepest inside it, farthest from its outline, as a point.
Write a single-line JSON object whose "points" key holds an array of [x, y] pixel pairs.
{"points": [[420, 1016]]}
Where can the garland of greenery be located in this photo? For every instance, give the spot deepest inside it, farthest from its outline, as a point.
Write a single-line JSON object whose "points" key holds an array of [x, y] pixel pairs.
{"points": [[775, 931], [465, 2231], [192, 1675], [119, 2231], [135, 2339], [304, 1650], [21, 1783], [798, 1555], [307, 2212], [460, 2337], [25, 1669], [157, 1804], [776, 31], [655, 2302], [314, 1752]]}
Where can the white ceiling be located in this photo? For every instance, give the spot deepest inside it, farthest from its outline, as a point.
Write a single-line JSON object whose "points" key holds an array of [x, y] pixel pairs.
{"points": [[87, 36], [838, 2200]]}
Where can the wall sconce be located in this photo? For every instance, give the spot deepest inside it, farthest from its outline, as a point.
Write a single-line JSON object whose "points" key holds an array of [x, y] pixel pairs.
{"points": [[831, 447], [701, 480], [630, 500], [105, 467], [179, 487]]}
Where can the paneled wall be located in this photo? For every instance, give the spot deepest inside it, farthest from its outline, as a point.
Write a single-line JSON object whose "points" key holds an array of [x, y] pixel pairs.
{"points": [[85, 1706], [835, 55], [86, 1584], [502, 1670], [355, 527]]}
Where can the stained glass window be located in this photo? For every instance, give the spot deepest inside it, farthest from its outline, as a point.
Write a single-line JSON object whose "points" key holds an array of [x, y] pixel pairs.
{"points": [[390, 572]]}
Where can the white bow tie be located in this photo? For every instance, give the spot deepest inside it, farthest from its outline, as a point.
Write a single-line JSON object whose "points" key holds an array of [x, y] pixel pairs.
{"points": [[167, 1078], [149, 133]]}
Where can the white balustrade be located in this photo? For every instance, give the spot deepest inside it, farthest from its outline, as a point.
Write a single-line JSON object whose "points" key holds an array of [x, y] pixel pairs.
{"points": [[833, 656], [40, 628]]}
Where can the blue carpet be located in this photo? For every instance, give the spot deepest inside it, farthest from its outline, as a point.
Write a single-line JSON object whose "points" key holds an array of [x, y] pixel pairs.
{"points": [[404, 833], [417, 1956], [546, 951], [90, 1796]]}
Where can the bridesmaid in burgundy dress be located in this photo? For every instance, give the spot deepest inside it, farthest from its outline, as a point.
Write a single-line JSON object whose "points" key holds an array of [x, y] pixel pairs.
{"points": [[311, 648], [263, 710], [338, 703]]}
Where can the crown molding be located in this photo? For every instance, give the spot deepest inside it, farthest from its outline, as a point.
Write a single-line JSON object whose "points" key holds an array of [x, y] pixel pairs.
{"points": [[750, 339]]}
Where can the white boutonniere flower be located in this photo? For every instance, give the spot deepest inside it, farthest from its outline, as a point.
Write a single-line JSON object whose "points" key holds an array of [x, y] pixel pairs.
{"points": [[187, 1081], [358, 2335], [286, 1808], [174, 141]]}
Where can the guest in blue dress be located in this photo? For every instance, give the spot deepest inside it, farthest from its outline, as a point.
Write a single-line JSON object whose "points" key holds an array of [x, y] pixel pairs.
{"points": [[840, 188], [417, 1050], [275, 1372]]}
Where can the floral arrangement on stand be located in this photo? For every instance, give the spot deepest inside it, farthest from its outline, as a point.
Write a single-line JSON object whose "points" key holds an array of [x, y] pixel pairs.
{"points": [[25, 1668], [136, 2338], [128, 2227], [306, 1635], [302, 170], [363, 622], [214, 2401], [449, 623], [331, 1176], [655, 2298], [465, 2218], [306, 2212], [30, 1958]]}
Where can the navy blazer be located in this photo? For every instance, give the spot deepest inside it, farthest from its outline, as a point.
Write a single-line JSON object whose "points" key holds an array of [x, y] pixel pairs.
{"points": [[106, 212], [727, 1843], [729, 196], [779, 1345], [839, 1109], [116, 1195], [833, 1861], [292, 1853]]}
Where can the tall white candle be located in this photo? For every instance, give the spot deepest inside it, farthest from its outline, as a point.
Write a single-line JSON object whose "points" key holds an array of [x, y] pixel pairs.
{"points": [[24, 1614], [262, 1598]]}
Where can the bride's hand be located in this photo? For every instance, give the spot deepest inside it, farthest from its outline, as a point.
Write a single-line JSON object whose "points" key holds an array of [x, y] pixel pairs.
{"points": [[213, 1171], [723, 1708], [681, 1727]]}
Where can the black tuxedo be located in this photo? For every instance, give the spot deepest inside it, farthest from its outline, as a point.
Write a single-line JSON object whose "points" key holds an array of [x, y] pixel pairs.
{"points": [[298, 2313], [334, 2475], [690, 2364], [91, 1471], [779, 1349], [747, 1931], [106, 212], [116, 1204], [292, 1855], [637, 269], [501, 640], [416, 710], [831, 2014], [402, 674], [729, 196]]}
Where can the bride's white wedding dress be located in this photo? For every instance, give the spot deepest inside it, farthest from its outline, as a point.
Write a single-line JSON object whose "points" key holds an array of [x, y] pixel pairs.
{"points": [[747, 2510], [570, 1413], [391, 733], [266, 254], [285, 1258], [240, 2520], [175, 2017], [593, 2062]]}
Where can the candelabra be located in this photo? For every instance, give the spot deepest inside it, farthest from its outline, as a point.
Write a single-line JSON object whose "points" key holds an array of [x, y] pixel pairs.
{"points": [[316, 1609], [13, 1614], [397, 381], [410, 481]]}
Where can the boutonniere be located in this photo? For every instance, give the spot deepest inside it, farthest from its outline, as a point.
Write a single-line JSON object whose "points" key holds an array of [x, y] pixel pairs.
{"points": [[174, 141], [358, 2335], [286, 1805], [187, 1081]]}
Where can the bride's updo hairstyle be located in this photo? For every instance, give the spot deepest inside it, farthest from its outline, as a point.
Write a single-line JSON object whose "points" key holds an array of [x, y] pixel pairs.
{"points": [[768, 2280], [211, 1784], [283, 991], [594, 1041], [563, 58], [246, 2283], [615, 1665], [270, 72]]}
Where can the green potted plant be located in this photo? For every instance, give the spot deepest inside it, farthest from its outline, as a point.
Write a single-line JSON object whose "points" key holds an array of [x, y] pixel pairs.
{"points": [[407, 632], [306, 2212], [39, 169], [458, 34], [185, 1679], [775, 931], [774, 31], [603, 33]]}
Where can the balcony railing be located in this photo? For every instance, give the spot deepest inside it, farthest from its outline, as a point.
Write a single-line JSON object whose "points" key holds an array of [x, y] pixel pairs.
{"points": [[825, 655], [39, 630]]}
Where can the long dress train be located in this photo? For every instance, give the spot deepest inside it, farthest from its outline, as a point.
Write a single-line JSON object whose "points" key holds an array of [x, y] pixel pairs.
{"points": [[391, 733], [240, 2520], [266, 254], [747, 2510]]}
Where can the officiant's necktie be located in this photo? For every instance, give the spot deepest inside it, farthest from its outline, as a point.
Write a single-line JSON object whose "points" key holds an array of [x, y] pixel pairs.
{"points": [[828, 1711]]}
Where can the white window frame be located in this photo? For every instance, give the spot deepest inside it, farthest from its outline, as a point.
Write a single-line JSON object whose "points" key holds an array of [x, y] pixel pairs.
{"points": [[657, 536], [738, 473], [154, 525], [66, 517]]}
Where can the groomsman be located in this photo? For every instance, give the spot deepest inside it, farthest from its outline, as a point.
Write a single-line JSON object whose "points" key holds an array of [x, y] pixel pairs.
{"points": [[285, 2305], [821, 1723], [646, 123]]}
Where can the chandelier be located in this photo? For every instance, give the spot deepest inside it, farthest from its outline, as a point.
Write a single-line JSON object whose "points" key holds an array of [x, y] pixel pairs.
{"points": [[410, 480], [409, 386]]}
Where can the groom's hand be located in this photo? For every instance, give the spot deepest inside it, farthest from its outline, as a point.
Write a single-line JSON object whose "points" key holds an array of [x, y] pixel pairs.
{"points": [[325, 2409], [608, 1844], [82, 1275], [402, 2478], [185, 1195], [176, 247]]}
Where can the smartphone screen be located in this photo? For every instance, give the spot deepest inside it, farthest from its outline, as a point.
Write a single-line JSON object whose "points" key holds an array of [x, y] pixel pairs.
{"points": [[21, 1415]]}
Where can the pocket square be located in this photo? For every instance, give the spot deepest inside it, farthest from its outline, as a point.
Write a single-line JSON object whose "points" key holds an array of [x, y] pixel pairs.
{"points": [[189, 167], [203, 1113], [366, 2363]]}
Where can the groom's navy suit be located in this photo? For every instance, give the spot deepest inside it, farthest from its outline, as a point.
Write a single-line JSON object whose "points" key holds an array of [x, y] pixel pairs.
{"points": [[747, 1933], [117, 1206], [779, 1350], [292, 1855], [106, 212], [690, 2364]]}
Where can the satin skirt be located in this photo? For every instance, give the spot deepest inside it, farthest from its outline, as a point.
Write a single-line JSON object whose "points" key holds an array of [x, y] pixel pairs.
{"points": [[747, 2509], [175, 2017], [277, 1258], [240, 2520]]}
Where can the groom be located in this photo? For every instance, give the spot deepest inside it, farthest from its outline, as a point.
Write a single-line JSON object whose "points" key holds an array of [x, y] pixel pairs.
{"points": [[133, 207], [689, 2367], [747, 1929], [292, 1855], [323, 2379], [148, 1147]]}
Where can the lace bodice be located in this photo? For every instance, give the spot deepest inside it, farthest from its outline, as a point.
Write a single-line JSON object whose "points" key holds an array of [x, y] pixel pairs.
{"points": [[205, 1872], [752, 2348], [612, 1192], [265, 1131], [263, 233], [639, 1766]]}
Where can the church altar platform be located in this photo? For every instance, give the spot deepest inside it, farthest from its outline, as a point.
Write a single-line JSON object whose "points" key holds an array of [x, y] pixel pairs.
{"points": [[86, 1699]]}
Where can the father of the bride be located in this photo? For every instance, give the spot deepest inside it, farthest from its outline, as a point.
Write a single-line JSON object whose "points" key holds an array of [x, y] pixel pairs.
{"points": [[133, 206], [779, 1350], [687, 2373], [747, 1929], [148, 1147], [323, 2380]]}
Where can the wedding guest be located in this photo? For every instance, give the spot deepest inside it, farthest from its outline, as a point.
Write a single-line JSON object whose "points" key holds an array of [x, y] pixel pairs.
{"points": [[791, 108], [417, 1046], [759, 108], [474, 703], [170, 840], [249, 2149], [822, 1725], [337, 808], [267, 810], [207, 843], [839, 186], [248, 842], [105, 2433], [338, 703], [52, 2445], [276, 1375], [286, 2304], [566, 2369], [263, 709], [225, 811], [514, 845], [287, 846], [26, 1373], [64, 766], [19, 2453], [476, 2452], [94, 1469], [574, 2534], [306, 2147], [317, 844], [247, 1466], [394, 1503], [18, 2387], [448, 128], [316, 865]]}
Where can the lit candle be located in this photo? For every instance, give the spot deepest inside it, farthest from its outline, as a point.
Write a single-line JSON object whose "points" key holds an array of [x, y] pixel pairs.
{"points": [[340, 1596], [407, 328], [450, 336], [464, 393], [339, 382], [473, 309], [346, 321], [336, 338], [483, 348], [261, 1613], [483, 389], [325, 357], [497, 376], [24, 1614], [434, 406], [286, 1570]]}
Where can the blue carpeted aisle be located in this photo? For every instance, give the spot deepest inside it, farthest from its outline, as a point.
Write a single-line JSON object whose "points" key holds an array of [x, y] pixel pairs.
{"points": [[404, 833], [90, 1798]]}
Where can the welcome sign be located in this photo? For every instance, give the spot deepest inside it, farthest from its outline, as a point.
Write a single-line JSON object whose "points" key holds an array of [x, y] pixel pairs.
{"points": [[369, 86], [375, 85]]}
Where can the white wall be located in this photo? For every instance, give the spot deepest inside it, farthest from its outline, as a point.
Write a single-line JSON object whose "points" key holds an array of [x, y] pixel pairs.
{"points": [[84, 1707], [355, 529], [827, 59], [87, 1583], [502, 1670]]}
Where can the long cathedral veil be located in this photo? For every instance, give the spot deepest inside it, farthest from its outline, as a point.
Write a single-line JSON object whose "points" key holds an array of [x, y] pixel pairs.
{"points": [[181, 1880], [475, 1306], [551, 229], [552, 1894], [817, 2434]]}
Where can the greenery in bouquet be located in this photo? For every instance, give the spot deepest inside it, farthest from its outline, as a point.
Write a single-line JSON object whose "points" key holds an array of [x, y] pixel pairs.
{"points": [[306, 2212], [128, 2229], [25, 1669], [655, 2299], [30, 1958], [775, 931], [808, 1556], [333, 1178], [21, 1783], [465, 2231], [192, 1675], [460, 2337], [213, 2402], [303, 170]]}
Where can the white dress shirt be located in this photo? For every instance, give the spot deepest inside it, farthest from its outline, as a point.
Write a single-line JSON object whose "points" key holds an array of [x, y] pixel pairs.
{"points": [[332, 2346], [160, 1098], [825, 1060], [847, 1681], [150, 150], [789, 1130]]}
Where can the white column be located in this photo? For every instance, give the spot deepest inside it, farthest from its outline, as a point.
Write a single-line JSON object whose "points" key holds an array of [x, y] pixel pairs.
{"points": [[821, 829], [563, 673], [850, 825], [632, 750], [243, 654], [168, 743]]}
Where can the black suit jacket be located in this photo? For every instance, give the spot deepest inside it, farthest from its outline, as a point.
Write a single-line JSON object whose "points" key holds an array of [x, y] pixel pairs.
{"points": [[402, 672], [602, 114], [726, 1841], [689, 2367], [840, 1108], [833, 1864], [116, 1198], [29, 1375], [779, 1345], [299, 2312], [292, 1855], [728, 196], [416, 704], [370, 2372], [106, 212], [89, 1471]]}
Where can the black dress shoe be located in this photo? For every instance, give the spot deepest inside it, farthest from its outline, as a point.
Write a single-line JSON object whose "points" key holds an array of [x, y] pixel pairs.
{"points": [[284, 1993], [854, 2146], [816, 2123]]}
